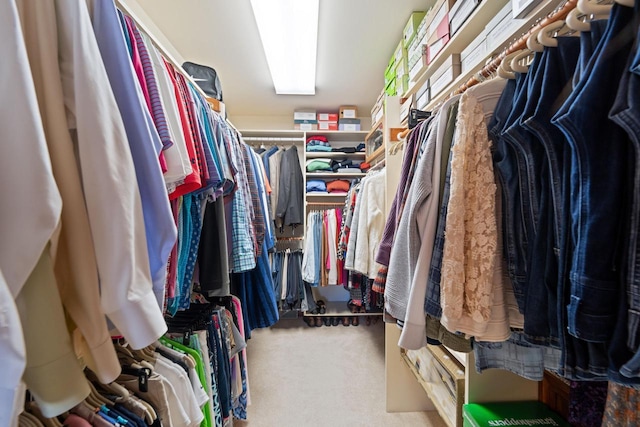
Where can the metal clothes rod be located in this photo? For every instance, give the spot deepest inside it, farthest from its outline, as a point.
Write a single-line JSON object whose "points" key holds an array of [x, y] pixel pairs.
{"points": [[271, 139], [141, 26], [559, 13], [286, 239], [325, 204]]}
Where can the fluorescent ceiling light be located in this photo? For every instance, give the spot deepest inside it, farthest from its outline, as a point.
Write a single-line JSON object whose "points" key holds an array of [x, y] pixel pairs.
{"points": [[289, 33]]}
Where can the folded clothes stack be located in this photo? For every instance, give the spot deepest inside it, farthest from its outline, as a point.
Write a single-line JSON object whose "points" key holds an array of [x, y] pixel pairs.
{"points": [[316, 186], [359, 148], [338, 186], [319, 165], [318, 143]]}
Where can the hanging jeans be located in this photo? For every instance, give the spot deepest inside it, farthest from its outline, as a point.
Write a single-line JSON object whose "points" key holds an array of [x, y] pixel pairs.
{"points": [[599, 198]]}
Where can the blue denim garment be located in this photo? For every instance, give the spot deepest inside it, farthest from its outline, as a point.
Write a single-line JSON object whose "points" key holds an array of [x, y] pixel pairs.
{"points": [[507, 172], [626, 113], [516, 355], [554, 76], [597, 179]]}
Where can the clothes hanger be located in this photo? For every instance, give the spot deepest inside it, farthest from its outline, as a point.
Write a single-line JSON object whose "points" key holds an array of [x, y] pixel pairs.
{"points": [[532, 42], [547, 35], [515, 61], [149, 413], [628, 3], [504, 69], [34, 409], [591, 7]]}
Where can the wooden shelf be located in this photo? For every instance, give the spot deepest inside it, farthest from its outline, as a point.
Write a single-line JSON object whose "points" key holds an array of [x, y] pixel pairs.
{"points": [[339, 308], [333, 154], [374, 128], [429, 390], [311, 175], [376, 154]]}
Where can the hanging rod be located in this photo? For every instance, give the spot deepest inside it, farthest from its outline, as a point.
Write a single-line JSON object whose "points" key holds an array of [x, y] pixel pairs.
{"points": [[325, 203], [141, 26], [559, 13], [271, 138], [286, 239]]}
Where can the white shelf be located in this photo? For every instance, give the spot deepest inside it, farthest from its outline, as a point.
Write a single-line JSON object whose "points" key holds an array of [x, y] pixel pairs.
{"points": [[311, 175], [527, 22], [471, 29], [325, 196], [334, 155]]}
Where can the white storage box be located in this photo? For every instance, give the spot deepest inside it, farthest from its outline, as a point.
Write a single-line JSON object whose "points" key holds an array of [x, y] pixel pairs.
{"points": [[423, 96], [444, 75], [304, 115], [475, 53], [459, 13], [501, 28]]}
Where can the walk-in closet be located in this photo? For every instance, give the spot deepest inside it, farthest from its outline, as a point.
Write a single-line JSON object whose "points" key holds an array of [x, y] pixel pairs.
{"points": [[319, 213]]}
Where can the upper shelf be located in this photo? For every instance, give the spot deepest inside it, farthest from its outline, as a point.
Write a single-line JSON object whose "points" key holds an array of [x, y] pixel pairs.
{"points": [[471, 29]]}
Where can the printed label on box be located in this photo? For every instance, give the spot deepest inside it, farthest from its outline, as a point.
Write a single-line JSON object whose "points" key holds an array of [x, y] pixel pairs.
{"points": [[349, 114]]}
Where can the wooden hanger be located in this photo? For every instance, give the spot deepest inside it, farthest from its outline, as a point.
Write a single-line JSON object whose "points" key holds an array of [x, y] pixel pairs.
{"points": [[628, 3], [34, 409], [547, 35]]}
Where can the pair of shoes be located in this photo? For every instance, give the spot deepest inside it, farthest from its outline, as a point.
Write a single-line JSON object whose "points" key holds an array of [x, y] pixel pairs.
{"points": [[310, 321], [326, 321], [322, 306], [346, 321], [318, 321], [355, 321], [335, 321]]}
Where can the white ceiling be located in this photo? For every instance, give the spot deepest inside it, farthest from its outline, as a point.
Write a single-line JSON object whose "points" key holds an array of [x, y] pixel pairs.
{"points": [[355, 41]]}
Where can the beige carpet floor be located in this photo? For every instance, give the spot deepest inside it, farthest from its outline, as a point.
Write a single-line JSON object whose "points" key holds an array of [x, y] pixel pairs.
{"points": [[319, 377]]}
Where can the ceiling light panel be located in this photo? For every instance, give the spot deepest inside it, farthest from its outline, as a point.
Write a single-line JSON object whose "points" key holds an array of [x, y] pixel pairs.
{"points": [[289, 33]]}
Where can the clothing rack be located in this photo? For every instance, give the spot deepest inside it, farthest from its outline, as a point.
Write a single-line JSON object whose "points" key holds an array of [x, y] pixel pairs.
{"points": [[559, 13], [285, 239], [325, 204], [140, 24], [271, 139]]}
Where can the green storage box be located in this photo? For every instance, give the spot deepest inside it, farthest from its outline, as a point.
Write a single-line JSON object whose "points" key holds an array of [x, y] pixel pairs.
{"points": [[411, 28], [530, 414], [402, 84], [390, 88]]}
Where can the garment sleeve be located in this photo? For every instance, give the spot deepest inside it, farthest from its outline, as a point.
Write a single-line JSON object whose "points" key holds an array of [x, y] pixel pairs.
{"points": [[361, 254], [109, 181]]}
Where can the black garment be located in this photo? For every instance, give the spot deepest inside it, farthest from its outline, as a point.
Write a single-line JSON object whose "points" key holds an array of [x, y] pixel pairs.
{"points": [[213, 258], [290, 207], [344, 163]]}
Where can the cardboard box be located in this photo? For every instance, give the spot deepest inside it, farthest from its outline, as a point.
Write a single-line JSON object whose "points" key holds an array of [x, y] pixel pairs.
{"points": [[305, 126], [348, 112], [501, 28], [521, 8], [414, 71], [474, 54], [460, 12], [436, 47], [534, 414], [327, 117], [349, 121], [423, 96], [411, 28], [445, 74], [349, 127], [400, 53], [402, 84], [305, 122], [304, 115], [390, 88], [324, 125]]}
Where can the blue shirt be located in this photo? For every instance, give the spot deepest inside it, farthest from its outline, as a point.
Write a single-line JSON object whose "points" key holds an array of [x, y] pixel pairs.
{"points": [[144, 142]]}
